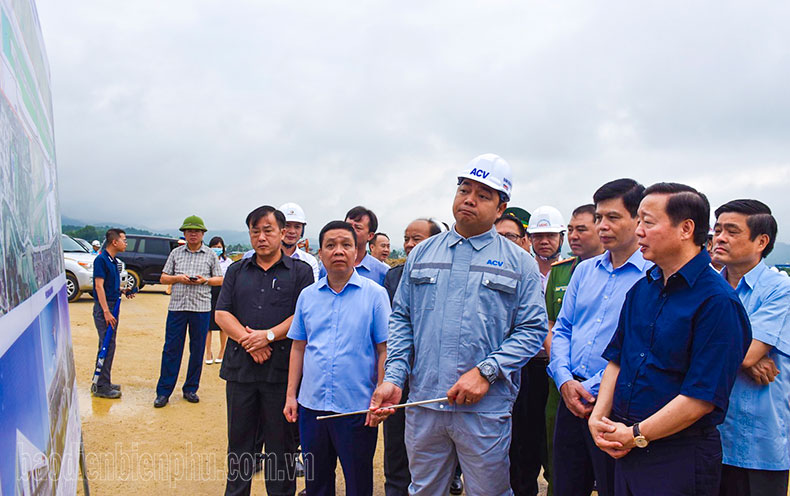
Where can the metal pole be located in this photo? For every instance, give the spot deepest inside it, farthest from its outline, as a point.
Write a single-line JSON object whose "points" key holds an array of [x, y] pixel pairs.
{"points": [[84, 469], [402, 405]]}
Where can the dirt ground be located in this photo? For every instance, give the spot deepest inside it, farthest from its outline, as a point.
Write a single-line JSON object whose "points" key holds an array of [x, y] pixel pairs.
{"points": [[132, 447]]}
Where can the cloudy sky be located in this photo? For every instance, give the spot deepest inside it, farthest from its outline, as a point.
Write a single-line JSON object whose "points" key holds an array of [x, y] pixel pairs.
{"points": [[164, 109]]}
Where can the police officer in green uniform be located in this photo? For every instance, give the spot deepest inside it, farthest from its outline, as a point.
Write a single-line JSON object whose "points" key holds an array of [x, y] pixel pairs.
{"points": [[585, 244]]}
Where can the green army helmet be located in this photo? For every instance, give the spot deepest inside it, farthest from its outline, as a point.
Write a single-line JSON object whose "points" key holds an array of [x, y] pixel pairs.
{"points": [[520, 214], [193, 222]]}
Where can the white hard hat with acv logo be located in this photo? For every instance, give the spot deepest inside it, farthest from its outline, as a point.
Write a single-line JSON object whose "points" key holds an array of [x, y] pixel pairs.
{"points": [[546, 219], [491, 170], [293, 213]]}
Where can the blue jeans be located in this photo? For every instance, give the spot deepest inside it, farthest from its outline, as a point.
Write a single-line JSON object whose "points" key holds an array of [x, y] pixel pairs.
{"points": [[175, 335]]}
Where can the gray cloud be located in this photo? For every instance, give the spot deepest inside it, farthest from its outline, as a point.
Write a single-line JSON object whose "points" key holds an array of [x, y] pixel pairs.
{"points": [[163, 109]]}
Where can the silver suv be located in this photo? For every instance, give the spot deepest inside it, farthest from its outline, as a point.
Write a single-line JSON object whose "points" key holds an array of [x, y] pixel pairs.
{"points": [[79, 268]]}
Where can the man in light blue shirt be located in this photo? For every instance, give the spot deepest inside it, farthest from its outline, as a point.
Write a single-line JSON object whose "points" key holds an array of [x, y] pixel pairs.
{"points": [[365, 223], [584, 327], [468, 314], [339, 334], [754, 434]]}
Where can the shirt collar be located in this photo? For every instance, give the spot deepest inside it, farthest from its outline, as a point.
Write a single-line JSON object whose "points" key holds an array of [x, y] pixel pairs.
{"points": [[478, 242], [203, 248], [750, 278], [690, 272], [367, 262], [284, 259], [636, 259], [355, 280]]}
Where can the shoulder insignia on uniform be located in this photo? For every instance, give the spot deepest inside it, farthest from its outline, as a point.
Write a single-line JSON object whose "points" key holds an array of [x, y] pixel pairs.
{"points": [[560, 262]]}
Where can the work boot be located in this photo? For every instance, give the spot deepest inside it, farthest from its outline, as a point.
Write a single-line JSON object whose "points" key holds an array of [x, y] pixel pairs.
{"points": [[457, 485], [110, 394], [160, 401]]}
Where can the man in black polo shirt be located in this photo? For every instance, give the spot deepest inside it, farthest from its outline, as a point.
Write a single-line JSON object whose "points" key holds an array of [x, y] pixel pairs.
{"points": [[255, 308]]}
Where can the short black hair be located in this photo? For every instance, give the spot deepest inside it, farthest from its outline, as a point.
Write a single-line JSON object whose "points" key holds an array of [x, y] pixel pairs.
{"points": [[684, 203], [505, 217], [358, 212], [217, 240], [261, 212], [629, 190], [588, 208], [375, 236], [113, 234], [336, 224], [758, 218]]}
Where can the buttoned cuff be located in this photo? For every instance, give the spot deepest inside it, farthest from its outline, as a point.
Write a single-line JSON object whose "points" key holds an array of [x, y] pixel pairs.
{"points": [[561, 376], [592, 384]]}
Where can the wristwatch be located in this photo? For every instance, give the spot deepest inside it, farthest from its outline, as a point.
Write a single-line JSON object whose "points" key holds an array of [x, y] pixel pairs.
{"points": [[639, 440], [270, 335], [488, 371]]}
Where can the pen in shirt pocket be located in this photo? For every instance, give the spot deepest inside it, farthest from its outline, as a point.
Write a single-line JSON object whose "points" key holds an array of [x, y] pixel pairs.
{"points": [[274, 281]]}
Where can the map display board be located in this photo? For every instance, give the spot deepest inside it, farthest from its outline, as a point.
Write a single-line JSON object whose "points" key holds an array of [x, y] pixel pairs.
{"points": [[39, 415]]}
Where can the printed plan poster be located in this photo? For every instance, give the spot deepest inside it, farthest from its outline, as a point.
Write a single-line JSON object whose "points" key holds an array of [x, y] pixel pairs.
{"points": [[39, 417]]}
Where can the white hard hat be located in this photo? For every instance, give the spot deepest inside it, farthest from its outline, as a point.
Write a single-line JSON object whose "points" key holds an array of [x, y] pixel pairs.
{"points": [[95, 243], [546, 219], [491, 170], [293, 213]]}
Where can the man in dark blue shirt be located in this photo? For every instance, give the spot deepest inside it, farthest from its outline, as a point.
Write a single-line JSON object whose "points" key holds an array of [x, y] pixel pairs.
{"points": [[106, 291], [681, 338]]}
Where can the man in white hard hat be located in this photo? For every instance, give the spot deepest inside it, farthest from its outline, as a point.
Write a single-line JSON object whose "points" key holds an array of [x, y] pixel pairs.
{"points": [[295, 222], [96, 247], [546, 232], [468, 314]]}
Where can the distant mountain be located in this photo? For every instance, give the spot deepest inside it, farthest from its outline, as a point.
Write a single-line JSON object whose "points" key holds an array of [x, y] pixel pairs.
{"points": [[780, 254], [70, 221]]}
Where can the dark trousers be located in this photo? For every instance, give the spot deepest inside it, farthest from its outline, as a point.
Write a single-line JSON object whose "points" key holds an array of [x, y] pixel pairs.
{"points": [[255, 411], [528, 442], [678, 465], [324, 441], [578, 462], [104, 381], [175, 335], [737, 481], [552, 403], [396, 461]]}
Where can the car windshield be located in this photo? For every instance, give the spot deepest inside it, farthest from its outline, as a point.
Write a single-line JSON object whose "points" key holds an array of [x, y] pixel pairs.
{"points": [[71, 246], [84, 244]]}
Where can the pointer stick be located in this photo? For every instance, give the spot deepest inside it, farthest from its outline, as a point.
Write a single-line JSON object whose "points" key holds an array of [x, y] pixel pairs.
{"points": [[402, 405]]}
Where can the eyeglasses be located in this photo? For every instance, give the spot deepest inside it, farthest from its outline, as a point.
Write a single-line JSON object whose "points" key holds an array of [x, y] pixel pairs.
{"points": [[512, 237]]}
